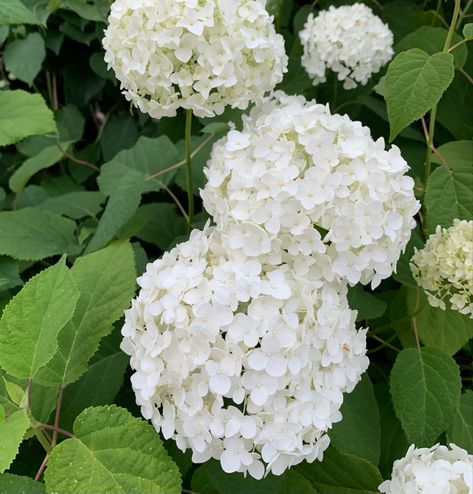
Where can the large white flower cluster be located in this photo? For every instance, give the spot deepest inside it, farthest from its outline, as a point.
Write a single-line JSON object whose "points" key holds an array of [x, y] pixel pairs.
{"points": [[444, 267], [241, 351], [196, 54], [435, 470], [349, 40], [304, 175]]}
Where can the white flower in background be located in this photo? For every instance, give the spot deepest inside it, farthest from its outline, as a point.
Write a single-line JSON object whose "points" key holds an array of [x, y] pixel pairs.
{"points": [[349, 40], [444, 267], [318, 183], [243, 357], [435, 470], [195, 54]]}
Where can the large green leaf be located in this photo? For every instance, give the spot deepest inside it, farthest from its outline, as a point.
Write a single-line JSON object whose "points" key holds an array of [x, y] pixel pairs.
{"points": [[425, 388], [32, 234], [106, 281], [112, 452], [461, 428], [9, 273], [457, 154], [367, 305], [414, 83], [448, 195], [359, 432], [15, 12], [23, 114], [24, 57], [75, 205], [432, 40], [32, 320], [447, 330], [211, 479], [17, 484], [12, 431], [341, 473]]}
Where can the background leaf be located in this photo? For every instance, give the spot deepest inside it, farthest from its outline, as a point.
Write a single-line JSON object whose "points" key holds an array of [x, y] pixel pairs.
{"points": [[16, 484], [15, 12], [24, 57]]}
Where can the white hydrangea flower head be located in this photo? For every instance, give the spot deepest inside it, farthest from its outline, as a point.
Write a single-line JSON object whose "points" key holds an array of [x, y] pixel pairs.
{"points": [[444, 267], [195, 54], [316, 181], [240, 354], [435, 470], [349, 40]]}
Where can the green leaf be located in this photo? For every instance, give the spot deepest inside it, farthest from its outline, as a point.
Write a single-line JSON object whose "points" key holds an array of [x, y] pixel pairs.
{"points": [[432, 40], [367, 305], [24, 57], [468, 31], [17, 484], [9, 273], [415, 83], [70, 123], [12, 431], [457, 154], [32, 234], [341, 473], [15, 393], [447, 330], [461, 428], [14, 12], [425, 388], [403, 272], [448, 195], [113, 452], [119, 133], [106, 281], [23, 114], [211, 479], [32, 320], [75, 205], [46, 158], [359, 432], [92, 10]]}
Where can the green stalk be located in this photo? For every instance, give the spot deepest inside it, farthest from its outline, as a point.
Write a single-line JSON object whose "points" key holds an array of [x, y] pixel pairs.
{"points": [[190, 194], [433, 112]]}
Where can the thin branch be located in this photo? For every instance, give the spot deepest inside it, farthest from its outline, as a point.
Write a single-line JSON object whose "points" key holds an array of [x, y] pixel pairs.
{"points": [[41, 468], [432, 147], [57, 415], [178, 203], [384, 343], [467, 75], [58, 429], [77, 160]]}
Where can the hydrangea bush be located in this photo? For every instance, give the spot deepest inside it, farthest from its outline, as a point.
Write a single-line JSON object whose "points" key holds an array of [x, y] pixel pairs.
{"points": [[236, 246]]}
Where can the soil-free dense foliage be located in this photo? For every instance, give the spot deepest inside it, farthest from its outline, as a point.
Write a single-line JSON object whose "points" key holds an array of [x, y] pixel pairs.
{"points": [[91, 190]]}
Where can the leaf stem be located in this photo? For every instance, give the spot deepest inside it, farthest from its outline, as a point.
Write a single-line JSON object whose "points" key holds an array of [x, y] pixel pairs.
{"points": [[42, 439], [464, 13], [58, 429], [57, 415], [384, 343], [190, 193], [41, 468]]}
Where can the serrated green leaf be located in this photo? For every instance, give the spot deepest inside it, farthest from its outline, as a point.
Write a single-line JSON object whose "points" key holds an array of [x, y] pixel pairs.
{"points": [[359, 432], [457, 154], [367, 305], [448, 195], [32, 234], [15, 392], [468, 31], [119, 133], [9, 273], [46, 158], [113, 452], [447, 330], [432, 40], [24, 57], [32, 320], [15, 12], [2, 414], [106, 281], [425, 387], [12, 431], [211, 479], [17, 484], [23, 114], [75, 205], [92, 10], [461, 428], [341, 473], [414, 83]]}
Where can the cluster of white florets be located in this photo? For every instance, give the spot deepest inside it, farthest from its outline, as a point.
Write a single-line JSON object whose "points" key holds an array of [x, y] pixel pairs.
{"points": [[194, 54], [241, 351], [349, 40], [444, 267], [318, 182], [436, 470]]}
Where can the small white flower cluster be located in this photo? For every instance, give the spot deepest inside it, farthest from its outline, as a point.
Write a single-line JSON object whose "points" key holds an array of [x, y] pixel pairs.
{"points": [[194, 54], [349, 40], [319, 183], [241, 351], [444, 267], [435, 470]]}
